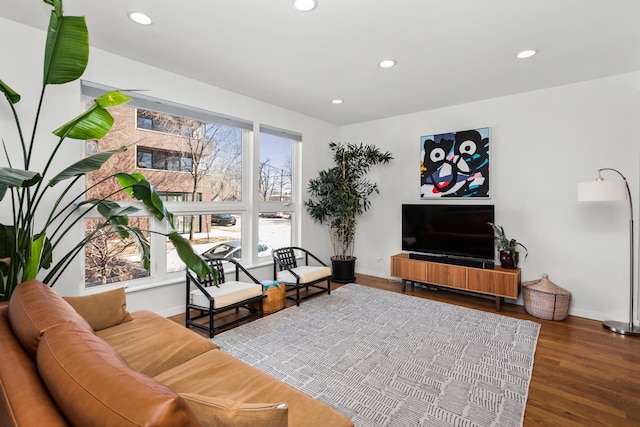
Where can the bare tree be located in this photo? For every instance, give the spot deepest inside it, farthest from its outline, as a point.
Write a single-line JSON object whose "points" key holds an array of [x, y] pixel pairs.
{"points": [[266, 180], [110, 258]]}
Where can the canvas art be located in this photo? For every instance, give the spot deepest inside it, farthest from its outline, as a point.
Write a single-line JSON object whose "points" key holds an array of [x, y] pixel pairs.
{"points": [[455, 164]]}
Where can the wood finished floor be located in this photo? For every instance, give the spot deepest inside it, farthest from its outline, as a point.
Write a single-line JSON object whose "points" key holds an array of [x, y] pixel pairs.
{"points": [[583, 375]]}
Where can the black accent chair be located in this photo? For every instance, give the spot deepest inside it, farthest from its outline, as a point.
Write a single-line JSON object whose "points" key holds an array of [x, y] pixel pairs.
{"points": [[207, 300], [287, 271]]}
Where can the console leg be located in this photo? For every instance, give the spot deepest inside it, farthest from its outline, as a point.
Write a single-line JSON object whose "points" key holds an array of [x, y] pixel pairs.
{"points": [[499, 303]]}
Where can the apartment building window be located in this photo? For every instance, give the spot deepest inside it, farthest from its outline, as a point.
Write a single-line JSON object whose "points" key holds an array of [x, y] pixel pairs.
{"points": [[151, 158], [202, 166], [149, 121]]}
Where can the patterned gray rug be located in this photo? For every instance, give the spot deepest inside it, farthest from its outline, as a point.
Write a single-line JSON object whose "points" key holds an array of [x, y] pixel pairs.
{"points": [[387, 359]]}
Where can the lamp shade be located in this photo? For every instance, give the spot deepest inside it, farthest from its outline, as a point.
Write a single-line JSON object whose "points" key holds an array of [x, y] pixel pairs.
{"points": [[602, 191]]}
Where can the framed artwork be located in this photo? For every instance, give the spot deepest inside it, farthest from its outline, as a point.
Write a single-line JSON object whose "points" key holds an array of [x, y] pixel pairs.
{"points": [[455, 164]]}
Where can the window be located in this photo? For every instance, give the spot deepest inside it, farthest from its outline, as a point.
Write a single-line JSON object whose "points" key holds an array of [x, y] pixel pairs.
{"points": [[109, 259], [276, 186], [196, 162], [151, 158]]}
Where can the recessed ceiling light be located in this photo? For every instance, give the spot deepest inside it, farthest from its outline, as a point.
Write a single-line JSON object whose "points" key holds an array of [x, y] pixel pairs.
{"points": [[387, 63], [337, 101], [140, 18], [305, 5], [528, 53]]}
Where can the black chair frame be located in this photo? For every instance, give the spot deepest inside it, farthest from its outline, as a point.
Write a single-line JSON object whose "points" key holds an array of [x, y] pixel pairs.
{"points": [[285, 259], [209, 281]]}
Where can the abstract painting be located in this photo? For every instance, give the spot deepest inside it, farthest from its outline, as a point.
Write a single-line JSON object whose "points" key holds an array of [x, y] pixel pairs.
{"points": [[455, 164]]}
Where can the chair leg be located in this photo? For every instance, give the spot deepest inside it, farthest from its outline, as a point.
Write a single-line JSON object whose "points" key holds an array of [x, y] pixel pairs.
{"points": [[298, 295], [329, 286], [211, 324]]}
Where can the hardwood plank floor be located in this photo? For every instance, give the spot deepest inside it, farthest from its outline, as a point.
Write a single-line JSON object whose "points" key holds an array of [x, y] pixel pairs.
{"points": [[583, 375]]}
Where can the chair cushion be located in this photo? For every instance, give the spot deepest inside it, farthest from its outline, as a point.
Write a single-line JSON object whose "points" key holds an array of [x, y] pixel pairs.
{"points": [[307, 273], [228, 293], [102, 310], [93, 385], [217, 412]]}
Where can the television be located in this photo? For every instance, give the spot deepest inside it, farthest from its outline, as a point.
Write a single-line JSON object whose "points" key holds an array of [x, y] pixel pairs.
{"points": [[455, 232]]}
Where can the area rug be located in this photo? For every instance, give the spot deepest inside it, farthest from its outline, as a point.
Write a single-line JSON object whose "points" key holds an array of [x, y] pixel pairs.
{"points": [[388, 359]]}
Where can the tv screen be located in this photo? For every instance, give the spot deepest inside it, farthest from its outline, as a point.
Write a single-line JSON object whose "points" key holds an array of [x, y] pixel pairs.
{"points": [[449, 230]]}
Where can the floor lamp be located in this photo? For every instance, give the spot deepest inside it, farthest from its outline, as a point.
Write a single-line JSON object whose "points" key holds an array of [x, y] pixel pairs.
{"points": [[603, 191]]}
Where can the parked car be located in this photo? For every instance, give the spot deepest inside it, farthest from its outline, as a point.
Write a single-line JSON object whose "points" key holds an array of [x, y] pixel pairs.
{"points": [[232, 249], [223, 219]]}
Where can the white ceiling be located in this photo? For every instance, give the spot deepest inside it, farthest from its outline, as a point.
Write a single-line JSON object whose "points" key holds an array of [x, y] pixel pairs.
{"points": [[448, 51]]}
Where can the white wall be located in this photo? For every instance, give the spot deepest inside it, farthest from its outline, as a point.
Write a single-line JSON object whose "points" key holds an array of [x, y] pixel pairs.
{"points": [[22, 70], [542, 144]]}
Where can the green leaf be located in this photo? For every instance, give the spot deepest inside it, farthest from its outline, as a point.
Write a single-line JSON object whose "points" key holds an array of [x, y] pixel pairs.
{"points": [[7, 238], [117, 217], [67, 47], [10, 177], [186, 253], [86, 165], [57, 4], [94, 123], [143, 245], [112, 99], [136, 186], [11, 95], [32, 265]]}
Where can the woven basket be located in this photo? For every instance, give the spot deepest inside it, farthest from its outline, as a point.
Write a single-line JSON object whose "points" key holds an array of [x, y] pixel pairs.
{"points": [[275, 300], [546, 300]]}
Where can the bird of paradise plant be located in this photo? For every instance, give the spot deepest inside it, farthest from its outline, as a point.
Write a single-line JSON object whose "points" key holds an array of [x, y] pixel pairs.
{"points": [[28, 244]]}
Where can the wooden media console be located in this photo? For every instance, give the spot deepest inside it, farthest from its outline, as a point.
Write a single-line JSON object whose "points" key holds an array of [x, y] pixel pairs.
{"points": [[498, 282]]}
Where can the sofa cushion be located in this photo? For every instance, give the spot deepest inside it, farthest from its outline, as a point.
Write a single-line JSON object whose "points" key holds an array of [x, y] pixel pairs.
{"points": [[307, 273], [33, 308], [217, 412], [151, 344], [235, 380], [226, 293], [102, 310], [24, 400], [94, 386]]}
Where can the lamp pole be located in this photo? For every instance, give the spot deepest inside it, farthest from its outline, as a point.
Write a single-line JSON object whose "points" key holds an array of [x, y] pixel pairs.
{"points": [[621, 327]]}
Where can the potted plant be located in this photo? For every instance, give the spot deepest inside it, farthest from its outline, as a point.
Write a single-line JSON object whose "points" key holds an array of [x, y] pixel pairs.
{"points": [[27, 245], [339, 195], [509, 255]]}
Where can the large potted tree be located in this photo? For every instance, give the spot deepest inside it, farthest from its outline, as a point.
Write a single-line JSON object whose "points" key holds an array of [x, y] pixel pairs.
{"points": [[339, 195], [29, 243]]}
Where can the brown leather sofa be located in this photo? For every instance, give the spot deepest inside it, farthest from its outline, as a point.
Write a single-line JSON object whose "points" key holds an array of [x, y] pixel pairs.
{"points": [[86, 361]]}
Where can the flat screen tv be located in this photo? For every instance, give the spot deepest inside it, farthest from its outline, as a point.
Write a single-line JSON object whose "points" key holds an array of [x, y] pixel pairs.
{"points": [[449, 230]]}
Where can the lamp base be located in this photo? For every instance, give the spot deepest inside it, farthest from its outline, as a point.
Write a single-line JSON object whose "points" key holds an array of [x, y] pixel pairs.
{"points": [[622, 328]]}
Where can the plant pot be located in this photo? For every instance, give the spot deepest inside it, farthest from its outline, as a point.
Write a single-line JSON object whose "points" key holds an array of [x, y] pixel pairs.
{"points": [[343, 269], [508, 261]]}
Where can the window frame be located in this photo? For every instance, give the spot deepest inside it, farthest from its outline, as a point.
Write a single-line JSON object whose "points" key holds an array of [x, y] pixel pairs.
{"points": [[248, 207]]}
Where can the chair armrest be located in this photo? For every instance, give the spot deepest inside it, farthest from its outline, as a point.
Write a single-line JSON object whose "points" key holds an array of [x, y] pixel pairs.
{"points": [[308, 254], [240, 268]]}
